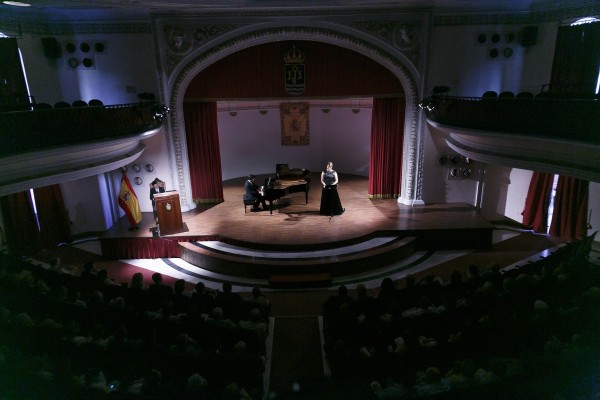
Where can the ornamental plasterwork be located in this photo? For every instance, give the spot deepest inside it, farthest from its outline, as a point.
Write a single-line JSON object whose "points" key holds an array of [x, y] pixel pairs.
{"points": [[182, 40], [18, 27], [404, 36], [413, 153]]}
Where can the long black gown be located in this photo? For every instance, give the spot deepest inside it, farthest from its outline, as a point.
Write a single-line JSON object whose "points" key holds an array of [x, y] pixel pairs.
{"points": [[330, 200]]}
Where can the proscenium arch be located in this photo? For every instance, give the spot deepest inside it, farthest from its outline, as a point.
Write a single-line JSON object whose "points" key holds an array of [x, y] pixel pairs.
{"points": [[202, 58]]}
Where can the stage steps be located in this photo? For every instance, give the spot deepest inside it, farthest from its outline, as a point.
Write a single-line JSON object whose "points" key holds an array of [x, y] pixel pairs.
{"points": [[297, 267]]}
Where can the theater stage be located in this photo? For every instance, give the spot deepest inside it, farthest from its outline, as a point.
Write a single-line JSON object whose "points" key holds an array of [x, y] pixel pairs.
{"points": [[295, 225]]}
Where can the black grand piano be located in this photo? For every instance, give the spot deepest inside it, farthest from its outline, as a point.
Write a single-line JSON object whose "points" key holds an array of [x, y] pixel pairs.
{"points": [[296, 181]]}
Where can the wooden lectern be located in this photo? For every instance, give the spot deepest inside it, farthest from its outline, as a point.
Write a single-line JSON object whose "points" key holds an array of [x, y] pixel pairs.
{"points": [[168, 212]]}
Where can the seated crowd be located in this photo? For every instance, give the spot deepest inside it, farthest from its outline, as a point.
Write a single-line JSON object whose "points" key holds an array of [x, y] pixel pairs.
{"points": [[66, 334], [526, 333]]}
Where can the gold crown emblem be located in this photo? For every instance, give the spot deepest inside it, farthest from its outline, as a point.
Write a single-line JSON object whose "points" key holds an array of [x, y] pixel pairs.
{"points": [[294, 56]]}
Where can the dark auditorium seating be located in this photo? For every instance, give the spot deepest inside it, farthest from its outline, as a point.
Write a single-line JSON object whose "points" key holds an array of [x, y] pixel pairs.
{"points": [[95, 103], [506, 95], [79, 103], [524, 96], [42, 106], [62, 104], [490, 95]]}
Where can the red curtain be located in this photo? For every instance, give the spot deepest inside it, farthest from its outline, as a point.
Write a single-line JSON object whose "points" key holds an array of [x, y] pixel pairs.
{"points": [[535, 214], [53, 217], [22, 233], [569, 219], [202, 138], [387, 137]]}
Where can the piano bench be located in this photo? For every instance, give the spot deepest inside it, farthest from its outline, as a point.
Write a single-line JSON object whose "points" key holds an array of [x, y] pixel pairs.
{"points": [[249, 203]]}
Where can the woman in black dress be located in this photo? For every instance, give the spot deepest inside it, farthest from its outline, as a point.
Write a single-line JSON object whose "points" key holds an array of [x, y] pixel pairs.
{"points": [[330, 200]]}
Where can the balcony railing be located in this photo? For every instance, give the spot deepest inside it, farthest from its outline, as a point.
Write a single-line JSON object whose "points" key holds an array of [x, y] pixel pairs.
{"points": [[26, 131], [573, 118]]}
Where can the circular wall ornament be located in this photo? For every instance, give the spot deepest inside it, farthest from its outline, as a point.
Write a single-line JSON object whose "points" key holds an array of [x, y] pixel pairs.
{"points": [[179, 40], [494, 53], [88, 62], [73, 62], [70, 47], [404, 36], [482, 38], [149, 168], [496, 37], [138, 180], [84, 47], [507, 52], [136, 167], [510, 37]]}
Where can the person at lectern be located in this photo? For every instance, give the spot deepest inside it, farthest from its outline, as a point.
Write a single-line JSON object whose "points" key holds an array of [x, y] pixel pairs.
{"points": [[251, 192], [330, 200], [157, 186]]}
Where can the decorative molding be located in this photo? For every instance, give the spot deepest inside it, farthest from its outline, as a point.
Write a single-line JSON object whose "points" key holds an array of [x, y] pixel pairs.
{"points": [[182, 40], [17, 27], [404, 36], [541, 16], [553, 155]]}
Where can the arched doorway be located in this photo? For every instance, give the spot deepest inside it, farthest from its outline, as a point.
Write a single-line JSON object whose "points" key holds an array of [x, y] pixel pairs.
{"points": [[196, 61]]}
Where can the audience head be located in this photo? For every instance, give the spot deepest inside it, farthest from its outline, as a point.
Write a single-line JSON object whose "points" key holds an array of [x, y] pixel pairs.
{"points": [[157, 278], [200, 287], [227, 287], [88, 266], [361, 290], [137, 280], [179, 286], [388, 284]]}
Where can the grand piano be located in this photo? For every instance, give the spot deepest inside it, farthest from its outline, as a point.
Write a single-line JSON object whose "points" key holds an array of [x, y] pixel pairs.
{"points": [[284, 185]]}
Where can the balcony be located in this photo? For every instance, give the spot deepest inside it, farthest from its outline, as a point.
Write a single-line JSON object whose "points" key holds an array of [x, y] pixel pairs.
{"points": [[43, 147], [550, 133]]}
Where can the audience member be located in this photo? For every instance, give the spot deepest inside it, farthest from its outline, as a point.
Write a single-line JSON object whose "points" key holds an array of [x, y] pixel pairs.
{"points": [[181, 301], [260, 301], [158, 292], [202, 300], [230, 302]]}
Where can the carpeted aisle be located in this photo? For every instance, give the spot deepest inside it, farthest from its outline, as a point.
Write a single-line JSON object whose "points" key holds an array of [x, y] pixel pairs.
{"points": [[297, 356]]}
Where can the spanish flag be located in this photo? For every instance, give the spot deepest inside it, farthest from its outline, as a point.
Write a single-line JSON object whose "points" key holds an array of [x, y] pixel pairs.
{"points": [[128, 201]]}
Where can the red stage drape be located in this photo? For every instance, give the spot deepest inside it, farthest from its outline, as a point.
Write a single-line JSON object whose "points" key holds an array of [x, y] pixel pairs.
{"points": [[202, 138], [569, 219], [387, 137], [535, 214], [54, 221], [22, 233]]}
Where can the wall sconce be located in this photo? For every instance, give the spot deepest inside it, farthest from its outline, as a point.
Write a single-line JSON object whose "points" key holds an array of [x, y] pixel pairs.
{"points": [[233, 113], [263, 112], [356, 110], [325, 110]]}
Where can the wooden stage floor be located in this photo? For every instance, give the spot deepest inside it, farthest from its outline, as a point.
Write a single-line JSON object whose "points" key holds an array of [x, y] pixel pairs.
{"points": [[295, 223]]}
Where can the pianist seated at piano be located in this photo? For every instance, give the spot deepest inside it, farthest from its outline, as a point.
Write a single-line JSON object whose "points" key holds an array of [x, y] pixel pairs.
{"points": [[284, 171], [253, 192]]}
